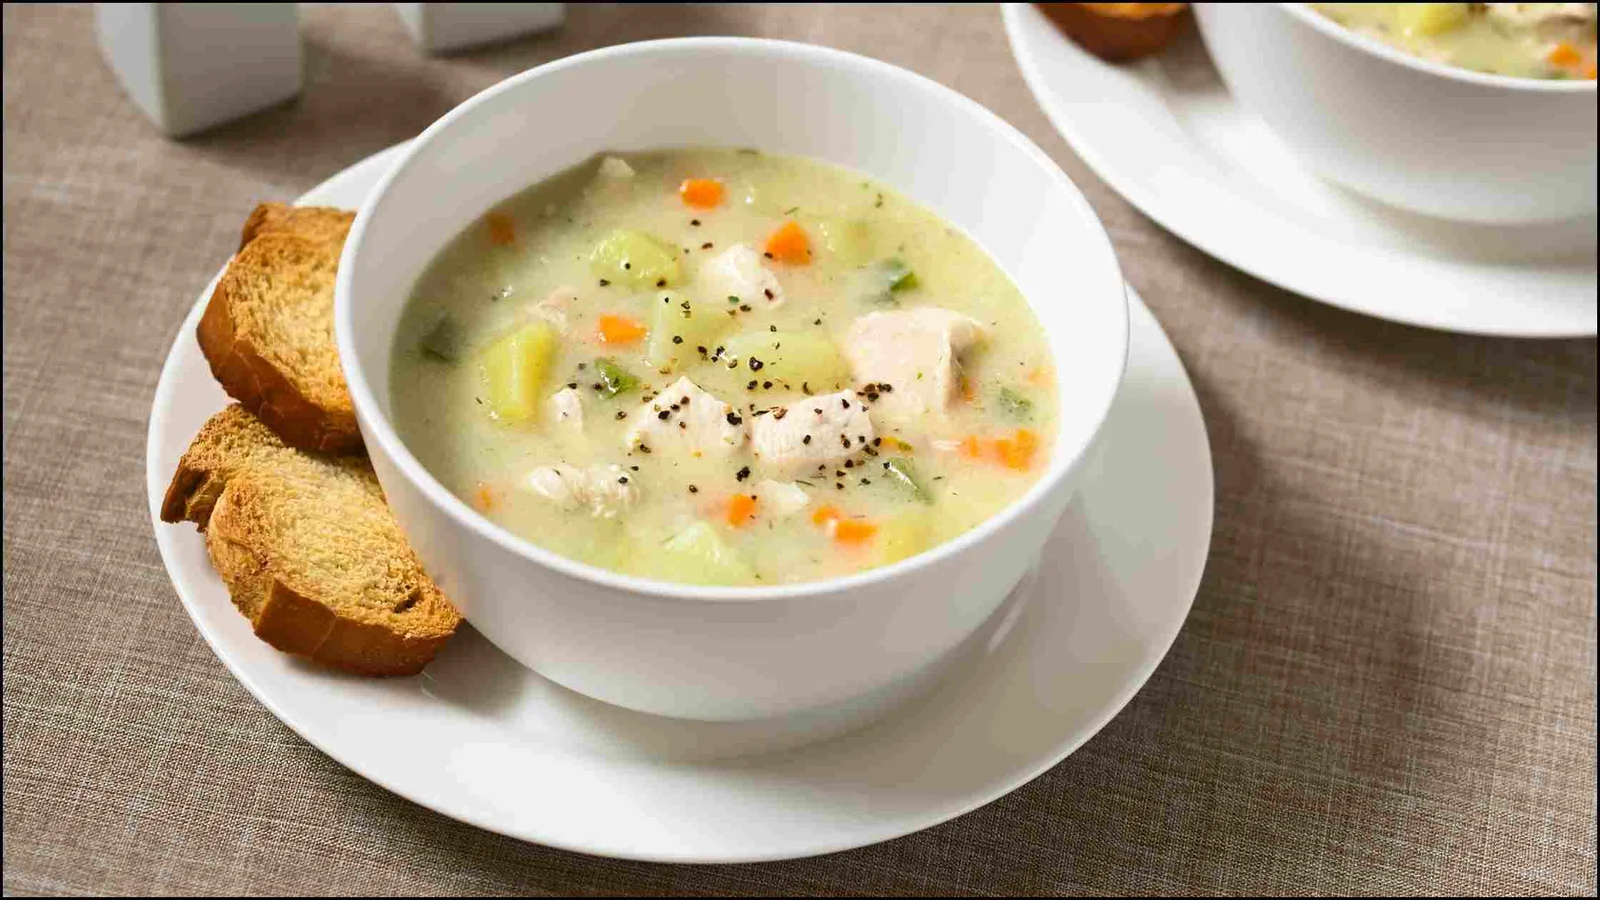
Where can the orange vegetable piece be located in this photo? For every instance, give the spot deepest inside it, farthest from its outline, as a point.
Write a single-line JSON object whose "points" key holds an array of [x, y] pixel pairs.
{"points": [[1564, 55], [826, 513], [851, 531], [789, 244], [1016, 452], [741, 509], [1588, 70], [894, 443], [972, 447], [483, 498], [616, 329], [502, 231], [703, 193]]}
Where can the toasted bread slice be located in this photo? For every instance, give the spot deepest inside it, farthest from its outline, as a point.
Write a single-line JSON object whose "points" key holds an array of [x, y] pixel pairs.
{"points": [[319, 223], [268, 329], [1120, 32], [310, 552]]}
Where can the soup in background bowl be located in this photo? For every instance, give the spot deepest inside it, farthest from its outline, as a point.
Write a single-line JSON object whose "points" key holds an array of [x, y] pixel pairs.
{"points": [[1522, 40], [1427, 135], [724, 367]]}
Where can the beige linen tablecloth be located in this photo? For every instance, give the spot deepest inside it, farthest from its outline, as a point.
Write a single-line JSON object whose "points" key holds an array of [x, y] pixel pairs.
{"points": [[1387, 682]]}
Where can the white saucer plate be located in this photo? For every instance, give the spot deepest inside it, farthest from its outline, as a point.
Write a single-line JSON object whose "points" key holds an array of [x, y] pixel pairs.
{"points": [[1166, 135], [488, 742]]}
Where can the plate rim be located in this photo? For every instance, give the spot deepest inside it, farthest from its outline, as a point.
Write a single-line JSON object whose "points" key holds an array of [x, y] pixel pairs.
{"points": [[166, 536], [1148, 202]]}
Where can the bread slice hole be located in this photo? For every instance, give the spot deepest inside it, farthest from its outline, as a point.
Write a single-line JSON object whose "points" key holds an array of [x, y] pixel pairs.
{"points": [[409, 601]]}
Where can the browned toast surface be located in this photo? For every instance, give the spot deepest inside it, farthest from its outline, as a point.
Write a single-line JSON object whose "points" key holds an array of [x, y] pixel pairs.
{"points": [[310, 552], [267, 331]]}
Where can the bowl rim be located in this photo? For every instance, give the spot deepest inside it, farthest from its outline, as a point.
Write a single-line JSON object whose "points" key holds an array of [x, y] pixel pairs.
{"points": [[379, 429], [1375, 47]]}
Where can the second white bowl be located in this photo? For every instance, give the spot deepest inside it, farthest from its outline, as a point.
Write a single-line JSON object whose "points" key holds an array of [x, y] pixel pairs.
{"points": [[1419, 135]]}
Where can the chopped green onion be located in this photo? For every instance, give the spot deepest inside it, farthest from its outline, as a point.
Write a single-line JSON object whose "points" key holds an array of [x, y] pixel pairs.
{"points": [[1015, 405], [897, 275], [443, 341], [614, 379], [900, 471]]}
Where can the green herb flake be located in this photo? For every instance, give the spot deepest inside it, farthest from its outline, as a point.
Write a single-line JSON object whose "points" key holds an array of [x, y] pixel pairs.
{"points": [[899, 471], [614, 379], [444, 340], [1014, 405]]}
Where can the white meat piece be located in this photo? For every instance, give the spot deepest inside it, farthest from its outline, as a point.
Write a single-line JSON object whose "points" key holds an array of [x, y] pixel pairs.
{"points": [[739, 272], [605, 491], [615, 167], [553, 308], [695, 422], [916, 353], [566, 409], [781, 499], [811, 432], [1546, 15]]}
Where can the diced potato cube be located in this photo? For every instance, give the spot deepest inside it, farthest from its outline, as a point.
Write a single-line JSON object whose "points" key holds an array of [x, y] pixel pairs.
{"points": [[794, 357], [696, 555], [636, 260], [679, 327], [848, 240], [900, 536], [514, 369], [1428, 18]]}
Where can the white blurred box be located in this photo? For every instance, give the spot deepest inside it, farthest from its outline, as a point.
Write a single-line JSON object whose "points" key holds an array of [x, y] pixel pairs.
{"points": [[189, 66], [443, 27]]}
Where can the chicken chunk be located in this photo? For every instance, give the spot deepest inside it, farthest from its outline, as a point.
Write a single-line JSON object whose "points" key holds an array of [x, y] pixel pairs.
{"points": [[916, 352], [553, 308], [815, 431], [781, 499], [686, 419], [605, 491], [566, 409], [614, 167], [739, 272]]}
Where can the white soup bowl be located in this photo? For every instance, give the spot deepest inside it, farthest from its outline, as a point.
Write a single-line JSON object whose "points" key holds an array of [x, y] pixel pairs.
{"points": [[730, 653], [1420, 135]]}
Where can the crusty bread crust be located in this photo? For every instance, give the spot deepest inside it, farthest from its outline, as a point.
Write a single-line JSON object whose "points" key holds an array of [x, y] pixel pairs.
{"points": [[1120, 32], [321, 223], [294, 623], [246, 489], [283, 272]]}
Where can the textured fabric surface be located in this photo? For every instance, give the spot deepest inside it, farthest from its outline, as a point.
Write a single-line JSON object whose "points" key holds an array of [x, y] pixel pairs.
{"points": [[1387, 682]]}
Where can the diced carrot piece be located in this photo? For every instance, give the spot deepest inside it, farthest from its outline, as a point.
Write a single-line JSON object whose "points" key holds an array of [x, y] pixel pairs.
{"points": [[852, 531], [1564, 55], [483, 498], [789, 244], [502, 231], [1016, 452], [614, 329], [703, 193], [826, 513], [741, 509], [972, 447]]}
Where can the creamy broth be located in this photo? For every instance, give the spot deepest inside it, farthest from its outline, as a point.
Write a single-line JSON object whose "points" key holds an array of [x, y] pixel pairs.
{"points": [[1524, 40], [770, 283]]}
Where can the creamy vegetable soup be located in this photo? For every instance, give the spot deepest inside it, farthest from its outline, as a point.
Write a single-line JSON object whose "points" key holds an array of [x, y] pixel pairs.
{"points": [[724, 367], [1525, 40]]}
